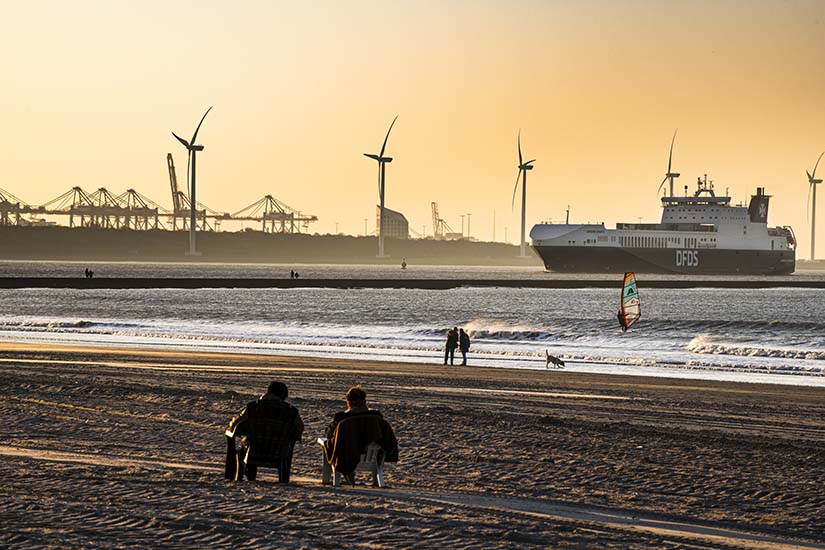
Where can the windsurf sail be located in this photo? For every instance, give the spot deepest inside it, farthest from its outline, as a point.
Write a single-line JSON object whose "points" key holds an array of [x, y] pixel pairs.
{"points": [[630, 308]]}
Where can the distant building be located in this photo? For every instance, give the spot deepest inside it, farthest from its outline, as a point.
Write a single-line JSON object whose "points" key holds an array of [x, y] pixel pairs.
{"points": [[396, 225]]}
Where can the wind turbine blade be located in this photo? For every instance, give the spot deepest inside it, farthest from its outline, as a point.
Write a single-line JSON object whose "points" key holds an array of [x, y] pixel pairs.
{"points": [[817, 164], [670, 156], [810, 177], [519, 147], [195, 135], [513, 203], [661, 185], [808, 208], [529, 162], [188, 183], [180, 139], [379, 180], [388, 136]]}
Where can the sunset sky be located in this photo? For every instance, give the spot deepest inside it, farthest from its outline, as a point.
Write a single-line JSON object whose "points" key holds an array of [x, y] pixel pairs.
{"points": [[89, 92]]}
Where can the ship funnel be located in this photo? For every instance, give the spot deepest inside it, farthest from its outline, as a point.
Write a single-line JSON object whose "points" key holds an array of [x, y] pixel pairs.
{"points": [[758, 207]]}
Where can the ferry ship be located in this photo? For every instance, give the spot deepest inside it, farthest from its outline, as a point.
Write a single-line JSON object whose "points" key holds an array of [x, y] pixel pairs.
{"points": [[699, 234]]}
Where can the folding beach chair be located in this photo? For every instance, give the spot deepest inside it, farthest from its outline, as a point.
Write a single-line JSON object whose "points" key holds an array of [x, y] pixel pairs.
{"points": [[356, 447], [268, 443]]}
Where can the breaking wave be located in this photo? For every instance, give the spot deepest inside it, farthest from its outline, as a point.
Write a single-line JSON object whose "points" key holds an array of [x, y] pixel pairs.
{"points": [[706, 345]]}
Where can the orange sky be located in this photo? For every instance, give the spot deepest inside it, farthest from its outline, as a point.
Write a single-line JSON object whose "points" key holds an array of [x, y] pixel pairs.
{"points": [[91, 90]]}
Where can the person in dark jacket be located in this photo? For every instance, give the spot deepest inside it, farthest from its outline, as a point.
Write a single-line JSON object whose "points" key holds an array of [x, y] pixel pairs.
{"points": [[463, 345], [452, 343], [357, 407], [276, 392], [274, 402]]}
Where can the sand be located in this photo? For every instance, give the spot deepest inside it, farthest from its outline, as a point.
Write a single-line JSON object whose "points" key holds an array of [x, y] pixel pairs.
{"points": [[125, 448]]}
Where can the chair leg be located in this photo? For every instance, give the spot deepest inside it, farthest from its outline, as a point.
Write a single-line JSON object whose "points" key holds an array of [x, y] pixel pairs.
{"points": [[326, 473], [379, 475], [336, 479], [240, 466]]}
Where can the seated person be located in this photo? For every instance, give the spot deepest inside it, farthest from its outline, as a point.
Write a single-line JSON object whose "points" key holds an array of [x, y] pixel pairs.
{"points": [[370, 427], [264, 417]]}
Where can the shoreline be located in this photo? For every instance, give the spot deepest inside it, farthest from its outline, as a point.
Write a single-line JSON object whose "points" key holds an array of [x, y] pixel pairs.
{"points": [[790, 378], [126, 283]]}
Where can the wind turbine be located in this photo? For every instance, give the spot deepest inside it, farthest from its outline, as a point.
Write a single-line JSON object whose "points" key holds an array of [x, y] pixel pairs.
{"points": [[523, 167], [670, 175], [382, 172], [192, 149], [812, 181]]}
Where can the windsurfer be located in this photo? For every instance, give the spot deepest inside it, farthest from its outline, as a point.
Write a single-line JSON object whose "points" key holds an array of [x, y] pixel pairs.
{"points": [[622, 320]]}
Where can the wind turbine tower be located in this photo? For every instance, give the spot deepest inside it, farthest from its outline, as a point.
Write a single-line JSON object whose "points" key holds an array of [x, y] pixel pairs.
{"points": [[813, 181], [382, 172], [523, 167], [192, 150]]}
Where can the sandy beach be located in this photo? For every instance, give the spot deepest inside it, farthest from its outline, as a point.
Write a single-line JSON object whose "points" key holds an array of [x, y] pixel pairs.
{"points": [[124, 448]]}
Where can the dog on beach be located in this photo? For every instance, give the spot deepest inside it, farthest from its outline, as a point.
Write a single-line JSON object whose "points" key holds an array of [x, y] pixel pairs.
{"points": [[558, 363]]}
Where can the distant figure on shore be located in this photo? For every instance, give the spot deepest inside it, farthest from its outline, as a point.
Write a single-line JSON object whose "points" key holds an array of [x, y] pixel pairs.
{"points": [[291, 273], [346, 441], [86, 272], [89, 273], [452, 343], [463, 345], [296, 274], [403, 263], [552, 359]]}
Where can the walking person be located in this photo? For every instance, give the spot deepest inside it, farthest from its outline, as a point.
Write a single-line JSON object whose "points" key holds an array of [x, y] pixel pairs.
{"points": [[452, 343], [463, 345]]}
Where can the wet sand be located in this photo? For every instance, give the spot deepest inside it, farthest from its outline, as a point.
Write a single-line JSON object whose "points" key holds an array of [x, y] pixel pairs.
{"points": [[125, 448]]}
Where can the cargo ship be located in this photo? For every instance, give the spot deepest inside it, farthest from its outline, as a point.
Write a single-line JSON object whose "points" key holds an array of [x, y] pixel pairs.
{"points": [[699, 234]]}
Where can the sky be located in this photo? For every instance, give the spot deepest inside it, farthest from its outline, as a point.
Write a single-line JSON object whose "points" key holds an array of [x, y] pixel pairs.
{"points": [[90, 92]]}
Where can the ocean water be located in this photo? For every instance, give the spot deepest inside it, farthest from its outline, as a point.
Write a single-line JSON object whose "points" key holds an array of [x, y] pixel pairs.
{"points": [[771, 336]]}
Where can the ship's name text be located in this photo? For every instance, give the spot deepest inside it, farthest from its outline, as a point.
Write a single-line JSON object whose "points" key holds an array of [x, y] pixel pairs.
{"points": [[687, 258]]}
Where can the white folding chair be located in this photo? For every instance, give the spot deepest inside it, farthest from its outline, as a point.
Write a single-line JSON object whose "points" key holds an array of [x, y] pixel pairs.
{"points": [[371, 461]]}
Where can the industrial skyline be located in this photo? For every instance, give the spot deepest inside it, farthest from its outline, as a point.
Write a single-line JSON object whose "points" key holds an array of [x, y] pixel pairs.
{"points": [[301, 90]]}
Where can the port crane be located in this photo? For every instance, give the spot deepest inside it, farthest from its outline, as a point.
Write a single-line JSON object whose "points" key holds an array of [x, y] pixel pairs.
{"points": [[442, 230]]}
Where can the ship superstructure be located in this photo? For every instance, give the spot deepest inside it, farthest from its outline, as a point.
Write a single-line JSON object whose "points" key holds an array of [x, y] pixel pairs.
{"points": [[700, 233]]}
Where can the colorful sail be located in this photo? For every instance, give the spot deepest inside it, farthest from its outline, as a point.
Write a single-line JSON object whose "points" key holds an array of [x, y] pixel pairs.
{"points": [[631, 308]]}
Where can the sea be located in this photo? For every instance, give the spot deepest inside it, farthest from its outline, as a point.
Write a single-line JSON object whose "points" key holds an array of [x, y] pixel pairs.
{"points": [[774, 336]]}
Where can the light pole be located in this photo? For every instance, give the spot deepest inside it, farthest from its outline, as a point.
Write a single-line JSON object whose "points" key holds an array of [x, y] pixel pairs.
{"points": [[468, 226], [365, 227], [462, 224]]}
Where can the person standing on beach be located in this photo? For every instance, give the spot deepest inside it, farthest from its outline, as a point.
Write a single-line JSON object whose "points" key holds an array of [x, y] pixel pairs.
{"points": [[452, 343], [463, 345]]}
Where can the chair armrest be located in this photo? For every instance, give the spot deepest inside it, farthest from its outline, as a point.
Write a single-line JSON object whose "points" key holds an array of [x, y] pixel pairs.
{"points": [[229, 433], [321, 441]]}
